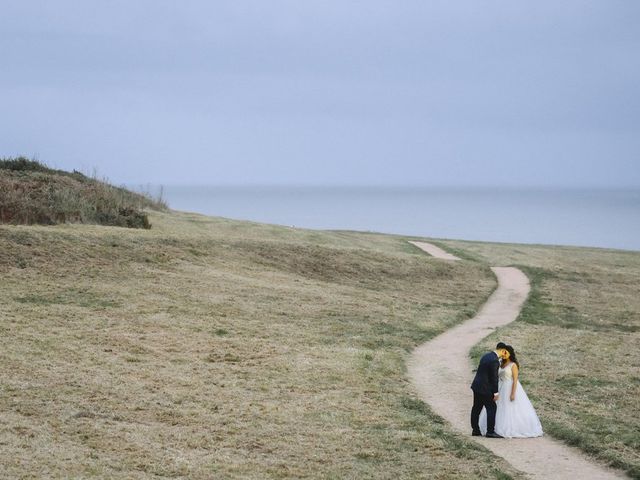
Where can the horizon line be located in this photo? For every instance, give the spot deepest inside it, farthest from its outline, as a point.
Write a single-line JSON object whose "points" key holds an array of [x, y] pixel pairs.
{"points": [[383, 186]]}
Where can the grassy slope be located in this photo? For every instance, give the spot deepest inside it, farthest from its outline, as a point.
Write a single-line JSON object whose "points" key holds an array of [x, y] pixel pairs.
{"points": [[32, 193], [213, 348], [578, 340]]}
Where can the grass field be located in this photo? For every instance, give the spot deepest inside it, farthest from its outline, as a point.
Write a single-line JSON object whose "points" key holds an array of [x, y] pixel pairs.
{"points": [[209, 348], [578, 340]]}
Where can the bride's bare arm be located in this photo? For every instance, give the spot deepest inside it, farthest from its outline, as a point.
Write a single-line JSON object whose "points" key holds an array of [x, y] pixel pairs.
{"points": [[514, 372]]}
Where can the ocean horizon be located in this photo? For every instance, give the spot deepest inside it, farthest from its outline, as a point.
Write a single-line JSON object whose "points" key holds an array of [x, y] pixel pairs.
{"points": [[588, 217]]}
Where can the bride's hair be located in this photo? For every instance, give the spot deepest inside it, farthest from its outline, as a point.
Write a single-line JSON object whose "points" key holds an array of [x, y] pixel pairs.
{"points": [[512, 355]]}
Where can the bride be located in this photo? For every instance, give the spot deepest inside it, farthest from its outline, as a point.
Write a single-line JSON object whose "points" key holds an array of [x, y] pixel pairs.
{"points": [[515, 416]]}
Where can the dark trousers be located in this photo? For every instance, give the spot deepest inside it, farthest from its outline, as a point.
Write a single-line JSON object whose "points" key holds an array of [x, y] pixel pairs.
{"points": [[480, 401]]}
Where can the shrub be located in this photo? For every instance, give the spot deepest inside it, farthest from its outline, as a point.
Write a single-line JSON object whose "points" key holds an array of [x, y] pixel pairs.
{"points": [[32, 193]]}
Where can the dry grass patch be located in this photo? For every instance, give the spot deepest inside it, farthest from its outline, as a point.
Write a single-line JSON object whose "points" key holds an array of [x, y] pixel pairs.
{"points": [[212, 348], [32, 193]]}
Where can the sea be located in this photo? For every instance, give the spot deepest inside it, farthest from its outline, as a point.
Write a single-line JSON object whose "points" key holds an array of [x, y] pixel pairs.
{"points": [[608, 218]]}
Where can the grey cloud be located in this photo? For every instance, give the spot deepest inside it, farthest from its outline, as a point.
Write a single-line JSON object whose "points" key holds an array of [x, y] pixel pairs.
{"points": [[326, 92]]}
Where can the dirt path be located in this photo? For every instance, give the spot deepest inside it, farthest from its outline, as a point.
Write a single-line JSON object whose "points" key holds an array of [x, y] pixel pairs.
{"points": [[434, 251], [442, 381]]}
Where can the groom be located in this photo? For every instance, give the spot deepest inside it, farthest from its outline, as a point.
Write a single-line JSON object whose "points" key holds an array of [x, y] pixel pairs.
{"points": [[485, 390]]}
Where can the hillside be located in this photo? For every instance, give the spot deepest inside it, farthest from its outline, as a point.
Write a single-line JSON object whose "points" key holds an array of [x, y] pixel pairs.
{"points": [[212, 348], [32, 193]]}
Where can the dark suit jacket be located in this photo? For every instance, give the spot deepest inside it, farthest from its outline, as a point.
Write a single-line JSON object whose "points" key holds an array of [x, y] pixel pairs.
{"points": [[486, 379]]}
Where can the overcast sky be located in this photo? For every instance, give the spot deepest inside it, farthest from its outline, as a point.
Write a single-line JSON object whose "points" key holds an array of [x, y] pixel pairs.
{"points": [[325, 92]]}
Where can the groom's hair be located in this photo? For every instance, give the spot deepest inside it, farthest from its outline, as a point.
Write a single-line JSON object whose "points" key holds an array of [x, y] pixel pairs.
{"points": [[501, 346]]}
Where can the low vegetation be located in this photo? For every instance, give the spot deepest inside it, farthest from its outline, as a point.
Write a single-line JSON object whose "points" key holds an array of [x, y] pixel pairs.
{"points": [[577, 340], [210, 348], [32, 193]]}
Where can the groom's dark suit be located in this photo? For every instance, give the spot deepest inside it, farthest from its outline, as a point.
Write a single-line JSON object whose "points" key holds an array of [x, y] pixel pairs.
{"points": [[484, 386]]}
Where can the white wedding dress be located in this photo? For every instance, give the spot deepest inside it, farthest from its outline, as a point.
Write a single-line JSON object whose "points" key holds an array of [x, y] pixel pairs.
{"points": [[515, 419]]}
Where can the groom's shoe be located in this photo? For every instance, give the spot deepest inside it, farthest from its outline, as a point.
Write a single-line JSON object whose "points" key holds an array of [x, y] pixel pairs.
{"points": [[494, 435], [476, 433]]}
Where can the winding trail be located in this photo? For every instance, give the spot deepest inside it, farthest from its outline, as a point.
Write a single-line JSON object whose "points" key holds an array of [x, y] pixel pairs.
{"points": [[442, 380]]}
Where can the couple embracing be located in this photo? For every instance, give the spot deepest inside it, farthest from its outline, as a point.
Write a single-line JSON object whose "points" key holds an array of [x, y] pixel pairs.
{"points": [[501, 407]]}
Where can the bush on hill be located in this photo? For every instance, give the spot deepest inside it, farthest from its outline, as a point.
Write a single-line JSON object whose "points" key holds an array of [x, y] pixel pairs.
{"points": [[32, 193]]}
